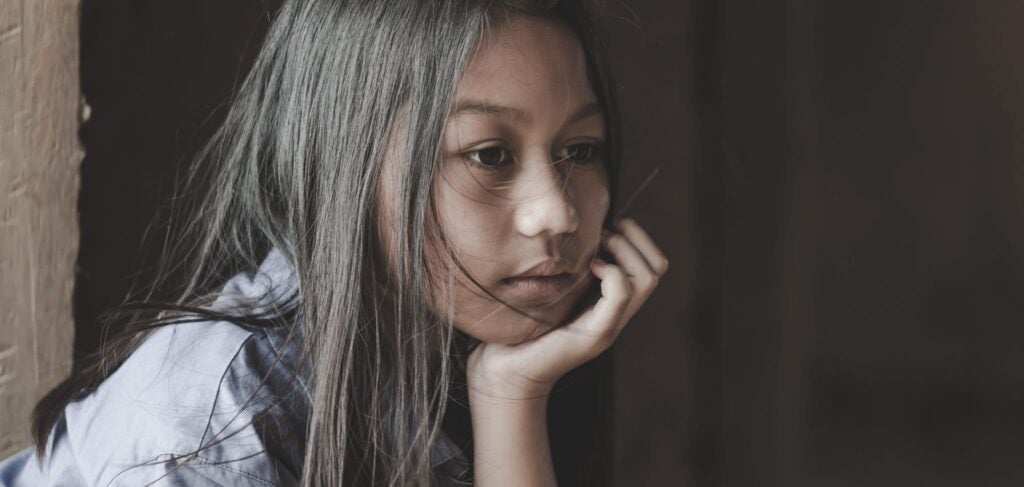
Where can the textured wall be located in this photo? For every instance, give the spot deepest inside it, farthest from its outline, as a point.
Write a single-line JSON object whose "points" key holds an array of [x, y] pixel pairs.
{"points": [[39, 162]]}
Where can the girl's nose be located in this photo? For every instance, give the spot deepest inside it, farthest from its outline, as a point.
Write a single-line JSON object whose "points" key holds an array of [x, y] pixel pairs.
{"points": [[545, 203]]}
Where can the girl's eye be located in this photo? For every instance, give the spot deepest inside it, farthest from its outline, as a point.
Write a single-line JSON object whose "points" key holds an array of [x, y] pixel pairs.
{"points": [[578, 153], [488, 156]]}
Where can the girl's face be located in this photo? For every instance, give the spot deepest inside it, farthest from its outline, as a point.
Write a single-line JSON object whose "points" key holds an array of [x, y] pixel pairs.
{"points": [[522, 188]]}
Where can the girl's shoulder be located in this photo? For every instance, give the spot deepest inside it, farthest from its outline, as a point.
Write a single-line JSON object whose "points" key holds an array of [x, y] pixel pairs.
{"points": [[205, 403]]}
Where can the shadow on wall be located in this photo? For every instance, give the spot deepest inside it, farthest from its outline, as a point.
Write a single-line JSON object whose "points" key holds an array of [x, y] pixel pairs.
{"points": [[156, 76]]}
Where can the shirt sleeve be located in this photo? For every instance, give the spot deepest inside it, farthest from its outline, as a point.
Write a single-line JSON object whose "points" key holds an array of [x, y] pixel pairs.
{"points": [[185, 408], [59, 469], [23, 468]]}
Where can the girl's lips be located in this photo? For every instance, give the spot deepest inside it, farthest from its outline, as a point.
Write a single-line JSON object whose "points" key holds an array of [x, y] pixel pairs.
{"points": [[533, 287]]}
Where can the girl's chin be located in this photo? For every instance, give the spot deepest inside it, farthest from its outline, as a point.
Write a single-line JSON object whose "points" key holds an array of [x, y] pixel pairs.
{"points": [[510, 328]]}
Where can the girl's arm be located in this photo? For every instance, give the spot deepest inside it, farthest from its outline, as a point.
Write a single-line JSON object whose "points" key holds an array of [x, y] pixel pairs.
{"points": [[510, 438]]}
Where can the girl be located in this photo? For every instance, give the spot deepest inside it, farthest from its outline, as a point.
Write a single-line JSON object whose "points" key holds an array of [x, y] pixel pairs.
{"points": [[411, 205]]}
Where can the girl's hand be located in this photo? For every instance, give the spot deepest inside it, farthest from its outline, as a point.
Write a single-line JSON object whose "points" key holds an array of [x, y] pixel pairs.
{"points": [[529, 370]]}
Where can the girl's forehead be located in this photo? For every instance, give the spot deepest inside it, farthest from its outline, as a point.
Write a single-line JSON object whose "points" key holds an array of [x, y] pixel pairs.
{"points": [[527, 65], [525, 42]]}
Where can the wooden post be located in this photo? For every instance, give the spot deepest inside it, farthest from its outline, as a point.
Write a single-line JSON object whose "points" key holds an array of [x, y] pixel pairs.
{"points": [[40, 157]]}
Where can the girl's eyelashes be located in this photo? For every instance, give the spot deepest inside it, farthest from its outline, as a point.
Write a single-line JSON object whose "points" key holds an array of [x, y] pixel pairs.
{"points": [[489, 157], [496, 156], [578, 153]]}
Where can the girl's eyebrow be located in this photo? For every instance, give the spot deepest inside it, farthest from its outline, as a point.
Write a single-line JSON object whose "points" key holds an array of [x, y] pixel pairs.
{"points": [[484, 107]]}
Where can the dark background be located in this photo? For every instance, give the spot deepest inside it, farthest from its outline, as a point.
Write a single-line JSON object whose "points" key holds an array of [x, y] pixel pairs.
{"points": [[840, 192]]}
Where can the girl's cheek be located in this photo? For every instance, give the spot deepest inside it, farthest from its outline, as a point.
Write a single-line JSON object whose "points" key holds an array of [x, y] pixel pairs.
{"points": [[593, 197]]}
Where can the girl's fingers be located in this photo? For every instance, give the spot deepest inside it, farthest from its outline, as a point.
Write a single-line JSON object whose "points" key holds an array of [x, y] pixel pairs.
{"points": [[616, 294], [639, 237], [627, 255], [644, 278]]}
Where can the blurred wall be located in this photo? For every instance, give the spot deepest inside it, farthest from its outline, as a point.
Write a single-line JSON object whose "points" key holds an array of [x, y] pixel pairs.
{"points": [[872, 211], [39, 161], [654, 48]]}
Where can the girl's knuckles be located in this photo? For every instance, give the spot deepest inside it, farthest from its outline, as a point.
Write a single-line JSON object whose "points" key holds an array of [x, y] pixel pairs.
{"points": [[662, 266]]}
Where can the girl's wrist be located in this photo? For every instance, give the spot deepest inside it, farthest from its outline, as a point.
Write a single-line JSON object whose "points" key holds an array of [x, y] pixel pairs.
{"points": [[502, 381], [506, 391]]}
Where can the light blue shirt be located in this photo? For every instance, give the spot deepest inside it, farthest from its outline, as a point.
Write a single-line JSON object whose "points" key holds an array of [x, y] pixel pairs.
{"points": [[184, 385]]}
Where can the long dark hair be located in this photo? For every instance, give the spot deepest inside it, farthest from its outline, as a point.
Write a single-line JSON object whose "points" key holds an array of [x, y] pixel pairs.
{"points": [[295, 166]]}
